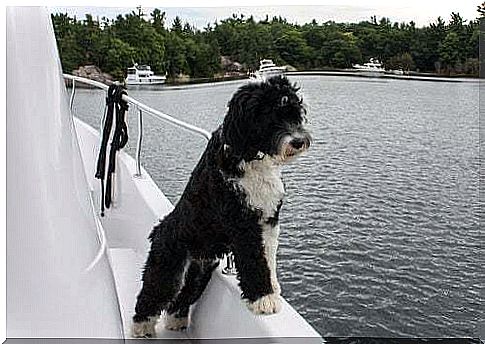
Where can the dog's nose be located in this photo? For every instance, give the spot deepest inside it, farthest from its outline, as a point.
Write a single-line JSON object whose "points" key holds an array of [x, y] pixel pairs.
{"points": [[297, 143]]}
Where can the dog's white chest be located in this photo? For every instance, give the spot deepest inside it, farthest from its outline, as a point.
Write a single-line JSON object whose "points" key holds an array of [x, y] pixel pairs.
{"points": [[262, 185]]}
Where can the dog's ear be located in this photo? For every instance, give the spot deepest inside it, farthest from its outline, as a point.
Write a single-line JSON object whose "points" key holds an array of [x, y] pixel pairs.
{"points": [[239, 127]]}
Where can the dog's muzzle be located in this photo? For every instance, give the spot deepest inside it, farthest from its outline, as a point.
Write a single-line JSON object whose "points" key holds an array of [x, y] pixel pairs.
{"points": [[295, 145], [300, 143]]}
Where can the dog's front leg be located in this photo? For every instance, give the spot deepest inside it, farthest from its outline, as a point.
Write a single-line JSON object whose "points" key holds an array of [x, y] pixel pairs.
{"points": [[254, 273], [270, 237]]}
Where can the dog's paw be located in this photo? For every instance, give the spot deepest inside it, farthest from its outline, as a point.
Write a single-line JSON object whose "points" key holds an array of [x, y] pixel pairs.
{"points": [[268, 304], [176, 324], [144, 329]]}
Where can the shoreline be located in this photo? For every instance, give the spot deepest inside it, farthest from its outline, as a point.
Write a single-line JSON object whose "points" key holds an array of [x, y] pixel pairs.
{"points": [[412, 76], [339, 72], [324, 72]]}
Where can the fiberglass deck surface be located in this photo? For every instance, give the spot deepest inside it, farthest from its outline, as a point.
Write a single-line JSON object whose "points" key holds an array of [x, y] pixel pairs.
{"points": [[127, 267]]}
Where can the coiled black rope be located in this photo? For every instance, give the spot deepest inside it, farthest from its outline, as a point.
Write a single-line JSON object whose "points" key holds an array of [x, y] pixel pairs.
{"points": [[114, 100]]}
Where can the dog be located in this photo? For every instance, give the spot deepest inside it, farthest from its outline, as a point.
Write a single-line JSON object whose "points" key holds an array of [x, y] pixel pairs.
{"points": [[230, 204]]}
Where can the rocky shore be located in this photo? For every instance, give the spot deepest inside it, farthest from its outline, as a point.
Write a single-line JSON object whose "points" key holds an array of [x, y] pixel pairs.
{"points": [[91, 72]]}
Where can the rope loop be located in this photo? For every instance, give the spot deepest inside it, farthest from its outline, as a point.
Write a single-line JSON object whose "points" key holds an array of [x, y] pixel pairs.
{"points": [[114, 101]]}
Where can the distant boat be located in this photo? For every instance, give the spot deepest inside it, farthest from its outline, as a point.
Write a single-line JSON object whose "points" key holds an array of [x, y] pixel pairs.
{"points": [[373, 68], [141, 75], [266, 70]]}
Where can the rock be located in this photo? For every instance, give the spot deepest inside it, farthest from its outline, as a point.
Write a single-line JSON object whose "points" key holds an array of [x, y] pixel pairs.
{"points": [[94, 73], [290, 68], [183, 77], [231, 66]]}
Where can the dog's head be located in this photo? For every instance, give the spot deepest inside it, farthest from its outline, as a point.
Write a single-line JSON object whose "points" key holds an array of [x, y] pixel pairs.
{"points": [[265, 119]]}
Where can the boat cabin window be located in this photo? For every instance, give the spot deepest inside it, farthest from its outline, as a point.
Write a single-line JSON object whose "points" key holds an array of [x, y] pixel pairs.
{"points": [[131, 71]]}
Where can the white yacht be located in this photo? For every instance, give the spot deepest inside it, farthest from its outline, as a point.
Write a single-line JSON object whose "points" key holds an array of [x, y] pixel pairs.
{"points": [[72, 274], [266, 70], [142, 75], [373, 68]]}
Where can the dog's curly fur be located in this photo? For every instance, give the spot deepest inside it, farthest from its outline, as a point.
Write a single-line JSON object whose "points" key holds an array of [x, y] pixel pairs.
{"points": [[231, 203]]}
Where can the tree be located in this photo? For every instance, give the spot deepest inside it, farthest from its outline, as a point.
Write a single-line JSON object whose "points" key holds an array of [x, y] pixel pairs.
{"points": [[177, 25], [148, 44], [291, 47], [481, 9], [450, 51], [158, 21], [175, 58], [116, 56]]}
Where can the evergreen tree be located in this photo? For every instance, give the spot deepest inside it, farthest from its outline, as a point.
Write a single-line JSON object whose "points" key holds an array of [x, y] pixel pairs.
{"points": [[450, 51]]}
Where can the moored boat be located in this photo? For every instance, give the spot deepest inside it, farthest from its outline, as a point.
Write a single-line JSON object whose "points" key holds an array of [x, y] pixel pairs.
{"points": [[142, 75], [267, 69], [373, 68]]}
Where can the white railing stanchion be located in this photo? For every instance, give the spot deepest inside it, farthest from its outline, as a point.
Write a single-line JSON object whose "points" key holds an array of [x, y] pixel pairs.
{"points": [[139, 142], [71, 100]]}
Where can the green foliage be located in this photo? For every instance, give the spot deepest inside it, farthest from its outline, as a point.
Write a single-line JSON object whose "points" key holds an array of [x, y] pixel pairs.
{"points": [[114, 56], [148, 44], [114, 45], [450, 50], [481, 9]]}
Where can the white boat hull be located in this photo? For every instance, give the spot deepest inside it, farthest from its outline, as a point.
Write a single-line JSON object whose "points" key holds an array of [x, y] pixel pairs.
{"points": [[59, 278], [145, 82], [371, 74]]}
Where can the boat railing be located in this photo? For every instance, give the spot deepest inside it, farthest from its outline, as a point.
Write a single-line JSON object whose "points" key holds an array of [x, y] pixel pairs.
{"points": [[142, 109]]}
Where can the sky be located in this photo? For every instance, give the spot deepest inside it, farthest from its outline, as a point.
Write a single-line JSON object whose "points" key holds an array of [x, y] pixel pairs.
{"points": [[422, 12]]}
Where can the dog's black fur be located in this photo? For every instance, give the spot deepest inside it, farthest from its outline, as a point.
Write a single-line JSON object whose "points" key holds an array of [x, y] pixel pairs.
{"points": [[213, 216]]}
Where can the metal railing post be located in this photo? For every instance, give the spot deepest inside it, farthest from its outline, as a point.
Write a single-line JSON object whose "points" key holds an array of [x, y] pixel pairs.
{"points": [[71, 100], [139, 142]]}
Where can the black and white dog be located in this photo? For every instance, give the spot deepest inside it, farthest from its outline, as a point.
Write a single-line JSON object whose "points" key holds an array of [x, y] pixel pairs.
{"points": [[231, 203]]}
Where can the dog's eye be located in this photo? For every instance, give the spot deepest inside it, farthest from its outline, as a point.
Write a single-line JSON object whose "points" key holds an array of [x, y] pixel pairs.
{"points": [[284, 101]]}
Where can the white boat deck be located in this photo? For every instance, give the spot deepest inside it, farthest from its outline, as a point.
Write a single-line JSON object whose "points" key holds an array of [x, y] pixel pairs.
{"points": [[127, 267]]}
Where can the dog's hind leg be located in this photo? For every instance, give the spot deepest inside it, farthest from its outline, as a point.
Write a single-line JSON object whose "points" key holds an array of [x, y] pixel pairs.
{"points": [[196, 279], [162, 279]]}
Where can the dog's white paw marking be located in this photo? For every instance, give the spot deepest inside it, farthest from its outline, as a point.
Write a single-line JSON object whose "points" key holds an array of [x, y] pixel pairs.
{"points": [[176, 324], [268, 304], [276, 286], [144, 329]]}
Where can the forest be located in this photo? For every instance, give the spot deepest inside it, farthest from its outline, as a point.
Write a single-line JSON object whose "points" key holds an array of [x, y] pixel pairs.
{"points": [[446, 46]]}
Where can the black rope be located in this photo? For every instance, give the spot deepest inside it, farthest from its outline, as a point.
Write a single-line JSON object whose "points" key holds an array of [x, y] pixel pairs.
{"points": [[120, 138]]}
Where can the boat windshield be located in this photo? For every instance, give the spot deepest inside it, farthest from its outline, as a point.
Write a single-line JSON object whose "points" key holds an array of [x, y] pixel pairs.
{"points": [[266, 63]]}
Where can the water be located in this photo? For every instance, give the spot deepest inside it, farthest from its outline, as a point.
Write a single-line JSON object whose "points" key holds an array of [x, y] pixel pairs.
{"points": [[380, 229]]}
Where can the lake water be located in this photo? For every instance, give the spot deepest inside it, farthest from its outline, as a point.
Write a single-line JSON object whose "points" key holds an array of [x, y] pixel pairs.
{"points": [[380, 230]]}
